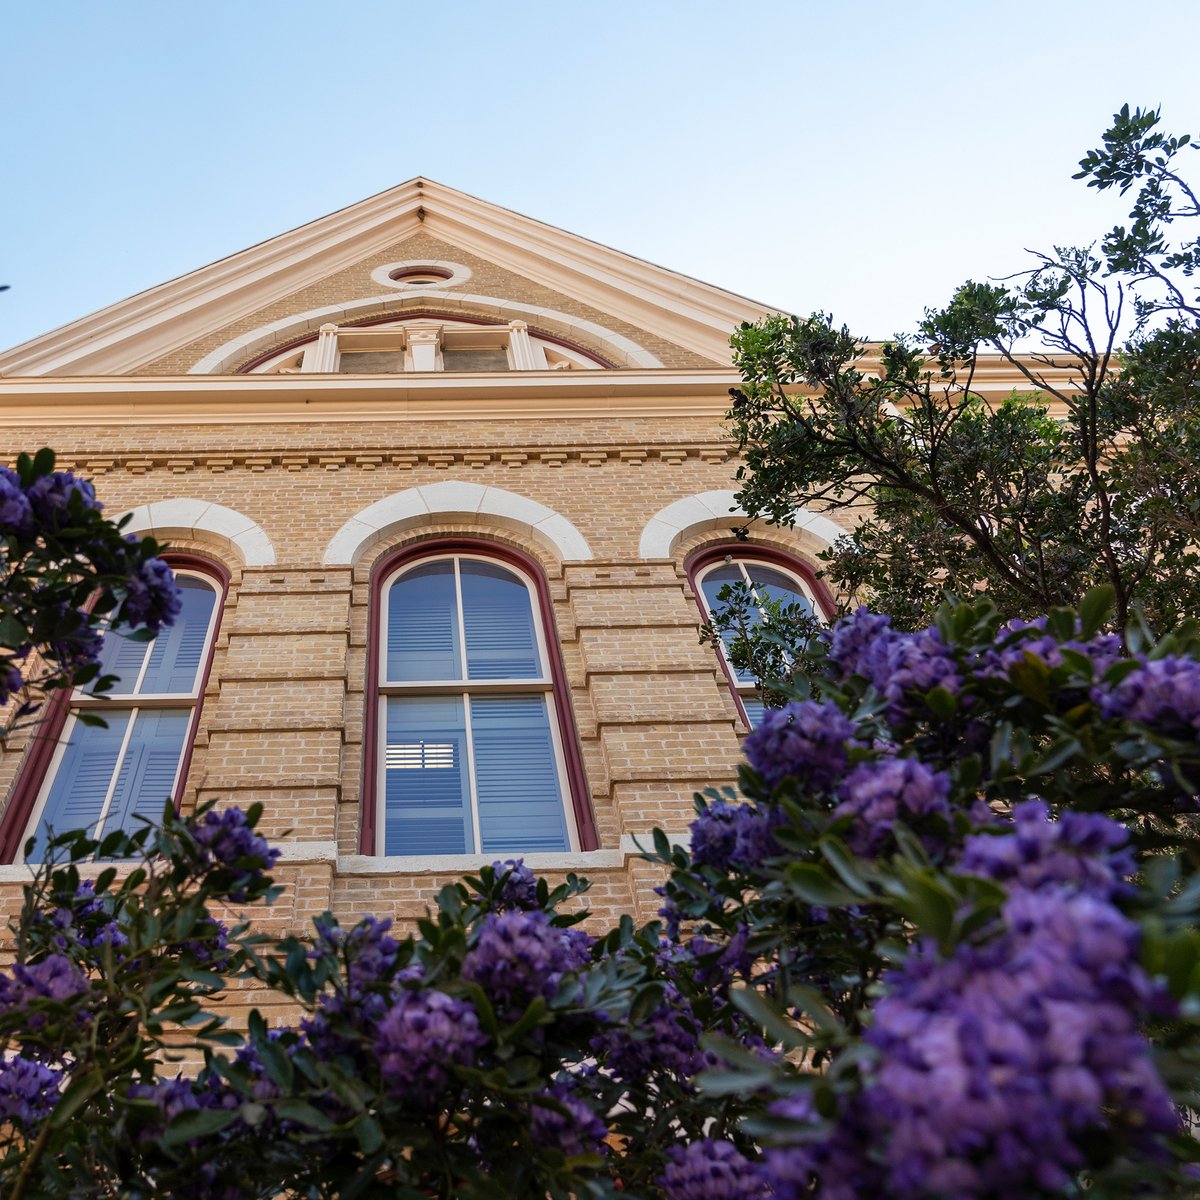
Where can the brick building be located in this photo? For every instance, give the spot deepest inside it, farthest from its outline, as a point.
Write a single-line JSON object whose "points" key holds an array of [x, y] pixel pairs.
{"points": [[447, 488]]}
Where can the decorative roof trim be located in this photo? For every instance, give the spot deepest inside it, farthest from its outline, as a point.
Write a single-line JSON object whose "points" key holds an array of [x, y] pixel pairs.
{"points": [[233, 352], [715, 510], [454, 500], [134, 332]]}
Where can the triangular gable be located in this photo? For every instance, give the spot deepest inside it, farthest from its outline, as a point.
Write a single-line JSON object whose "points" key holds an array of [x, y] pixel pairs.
{"points": [[178, 326]]}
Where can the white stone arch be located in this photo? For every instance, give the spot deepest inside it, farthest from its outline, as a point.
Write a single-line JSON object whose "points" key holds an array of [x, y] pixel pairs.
{"points": [[622, 350], [204, 521], [717, 510], [454, 501]]}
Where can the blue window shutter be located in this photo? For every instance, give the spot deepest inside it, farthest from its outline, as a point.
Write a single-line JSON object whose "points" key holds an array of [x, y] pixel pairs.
{"points": [[516, 776], [498, 618], [177, 653], [82, 780], [426, 806], [147, 778], [422, 624], [121, 657]]}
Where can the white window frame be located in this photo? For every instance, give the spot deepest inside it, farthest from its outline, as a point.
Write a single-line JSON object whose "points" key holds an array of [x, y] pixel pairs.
{"points": [[744, 689], [465, 688], [132, 702]]}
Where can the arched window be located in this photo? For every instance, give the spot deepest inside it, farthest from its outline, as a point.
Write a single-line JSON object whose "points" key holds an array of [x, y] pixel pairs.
{"points": [[103, 777], [470, 743], [768, 576]]}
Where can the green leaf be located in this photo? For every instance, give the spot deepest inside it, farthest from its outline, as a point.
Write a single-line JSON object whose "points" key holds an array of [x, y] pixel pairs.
{"points": [[198, 1123], [78, 1092], [762, 1012], [838, 855], [811, 883], [1094, 609], [12, 632], [303, 1113], [368, 1134], [812, 1004]]}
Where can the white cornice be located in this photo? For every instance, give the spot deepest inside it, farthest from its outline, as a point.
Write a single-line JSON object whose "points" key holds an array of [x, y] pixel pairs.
{"points": [[58, 401], [136, 331]]}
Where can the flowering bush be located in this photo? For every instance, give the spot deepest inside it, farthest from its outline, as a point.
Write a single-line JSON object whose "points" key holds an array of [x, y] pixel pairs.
{"points": [[64, 569], [943, 945], [975, 937]]}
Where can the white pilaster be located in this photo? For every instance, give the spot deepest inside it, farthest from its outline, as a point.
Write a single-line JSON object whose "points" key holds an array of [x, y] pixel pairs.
{"points": [[321, 355]]}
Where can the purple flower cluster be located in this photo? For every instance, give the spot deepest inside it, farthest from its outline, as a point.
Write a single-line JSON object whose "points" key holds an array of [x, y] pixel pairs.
{"points": [[55, 978], [521, 955], [44, 502], [420, 1038], [577, 1131], [368, 948], [711, 1169], [80, 919], [714, 965], [1163, 694], [28, 1091], [999, 1064], [370, 955], [209, 942], [875, 795], [16, 515], [171, 1097], [738, 836], [1016, 639], [228, 842], [1085, 851], [667, 1039], [50, 497], [151, 597], [897, 665], [805, 740], [11, 681], [518, 885]]}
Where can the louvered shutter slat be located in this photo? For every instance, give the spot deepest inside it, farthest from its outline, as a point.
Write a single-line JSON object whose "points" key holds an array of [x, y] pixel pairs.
{"points": [[498, 618], [177, 653], [516, 774], [422, 625], [426, 805], [121, 657], [147, 778], [82, 780]]}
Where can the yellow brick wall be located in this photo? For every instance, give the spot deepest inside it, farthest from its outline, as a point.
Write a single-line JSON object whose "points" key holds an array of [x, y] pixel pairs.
{"points": [[283, 709]]}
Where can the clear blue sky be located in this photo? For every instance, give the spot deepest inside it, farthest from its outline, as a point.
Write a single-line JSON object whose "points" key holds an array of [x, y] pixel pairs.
{"points": [[856, 157]]}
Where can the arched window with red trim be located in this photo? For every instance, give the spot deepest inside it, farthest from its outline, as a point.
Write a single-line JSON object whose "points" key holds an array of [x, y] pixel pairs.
{"points": [[117, 758], [470, 744], [768, 575]]}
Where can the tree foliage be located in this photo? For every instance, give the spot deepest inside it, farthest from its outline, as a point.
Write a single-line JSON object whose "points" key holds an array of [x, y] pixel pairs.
{"points": [[1086, 476]]}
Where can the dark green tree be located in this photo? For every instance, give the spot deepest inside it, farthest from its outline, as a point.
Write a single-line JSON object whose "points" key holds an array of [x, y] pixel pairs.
{"points": [[1087, 477]]}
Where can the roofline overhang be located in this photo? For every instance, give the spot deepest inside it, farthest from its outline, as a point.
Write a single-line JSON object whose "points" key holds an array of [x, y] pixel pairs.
{"points": [[54, 401]]}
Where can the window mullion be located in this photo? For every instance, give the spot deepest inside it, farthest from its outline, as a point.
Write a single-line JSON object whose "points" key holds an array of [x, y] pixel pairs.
{"points": [[112, 783]]}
